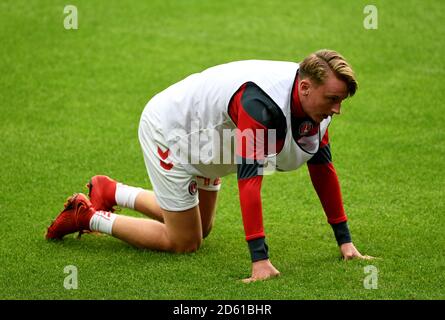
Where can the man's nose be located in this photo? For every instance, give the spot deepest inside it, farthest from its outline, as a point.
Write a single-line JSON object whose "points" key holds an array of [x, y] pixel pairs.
{"points": [[336, 108]]}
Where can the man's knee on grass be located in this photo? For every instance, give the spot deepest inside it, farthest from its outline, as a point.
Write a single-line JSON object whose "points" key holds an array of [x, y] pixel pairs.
{"points": [[187, 246], [206, 230]]}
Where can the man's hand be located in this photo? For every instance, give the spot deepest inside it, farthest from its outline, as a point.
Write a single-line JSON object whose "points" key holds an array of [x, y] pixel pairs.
{"points": [[262, 270], [348, 252]]}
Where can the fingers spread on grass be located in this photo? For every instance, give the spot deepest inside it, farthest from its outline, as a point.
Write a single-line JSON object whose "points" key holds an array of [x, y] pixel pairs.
{"points": [[253, 279], [358, 257], [249, 280]]}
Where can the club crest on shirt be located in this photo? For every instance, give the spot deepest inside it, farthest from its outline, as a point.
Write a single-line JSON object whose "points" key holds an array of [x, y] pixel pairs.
{"points": [[304, 128], [193, 187]]}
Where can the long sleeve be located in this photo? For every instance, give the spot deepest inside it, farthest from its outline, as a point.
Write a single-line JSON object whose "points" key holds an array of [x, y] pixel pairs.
{"points": [[325, 181], [250, 109]]}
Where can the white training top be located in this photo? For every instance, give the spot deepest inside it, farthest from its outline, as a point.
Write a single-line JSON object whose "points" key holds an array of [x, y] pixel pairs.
{"points": [[192, 115]]}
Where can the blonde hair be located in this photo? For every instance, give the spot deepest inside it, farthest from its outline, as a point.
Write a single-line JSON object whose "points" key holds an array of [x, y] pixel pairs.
{"points": [[317, 64]]}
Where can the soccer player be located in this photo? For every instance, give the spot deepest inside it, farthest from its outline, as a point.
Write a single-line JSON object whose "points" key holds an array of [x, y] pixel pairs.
{"points": [[242, 117]]}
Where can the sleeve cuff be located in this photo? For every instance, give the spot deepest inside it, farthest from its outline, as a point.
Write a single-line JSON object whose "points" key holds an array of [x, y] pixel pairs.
{"points": [[341, 232], [258, 249]]}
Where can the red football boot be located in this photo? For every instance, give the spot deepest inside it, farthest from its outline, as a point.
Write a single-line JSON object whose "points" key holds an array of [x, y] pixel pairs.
{"points": [[74, 218], [102, 190]]}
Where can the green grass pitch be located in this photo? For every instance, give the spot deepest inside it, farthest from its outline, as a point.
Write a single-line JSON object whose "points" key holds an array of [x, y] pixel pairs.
{"points": [[70, 105]]}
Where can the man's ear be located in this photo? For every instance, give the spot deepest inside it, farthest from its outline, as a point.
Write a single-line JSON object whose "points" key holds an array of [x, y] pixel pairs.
{"points": [[304, 86]]}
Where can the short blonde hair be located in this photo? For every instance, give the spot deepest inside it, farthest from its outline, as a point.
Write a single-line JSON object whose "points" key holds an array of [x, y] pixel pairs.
{"points": [[317, 64]]}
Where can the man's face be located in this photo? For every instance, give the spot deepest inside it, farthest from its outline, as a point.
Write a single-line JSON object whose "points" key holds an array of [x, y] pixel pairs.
{"points": [[321, 101]]}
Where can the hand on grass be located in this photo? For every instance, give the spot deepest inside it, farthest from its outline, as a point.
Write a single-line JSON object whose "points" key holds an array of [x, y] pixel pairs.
{"points": [[349, 252], [262, 270]]}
